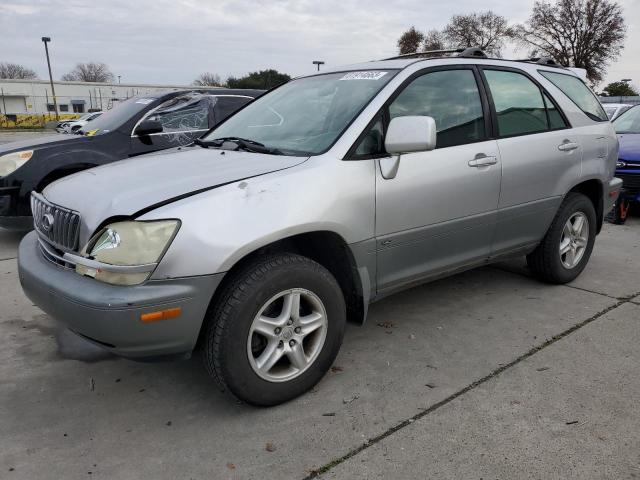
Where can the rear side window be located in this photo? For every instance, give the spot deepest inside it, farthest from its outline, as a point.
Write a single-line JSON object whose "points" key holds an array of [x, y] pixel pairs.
{"points": [[579, 93], [518, 102], [452, 98]]}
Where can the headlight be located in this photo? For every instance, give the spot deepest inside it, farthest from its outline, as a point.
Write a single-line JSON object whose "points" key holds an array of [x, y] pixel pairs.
{"points": [[13, 161], [126, 253]]}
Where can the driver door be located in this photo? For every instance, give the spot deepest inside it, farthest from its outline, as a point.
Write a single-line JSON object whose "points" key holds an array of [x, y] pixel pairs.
{"points": [[438, 212]]}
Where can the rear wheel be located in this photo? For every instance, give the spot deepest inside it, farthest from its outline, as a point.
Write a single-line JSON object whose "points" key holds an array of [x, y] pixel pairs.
{"points": [[566, 248], [275, 330]]}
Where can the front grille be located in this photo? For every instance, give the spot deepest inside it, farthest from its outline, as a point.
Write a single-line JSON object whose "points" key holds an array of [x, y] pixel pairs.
{"points": [[630, 182], [59, 225]]}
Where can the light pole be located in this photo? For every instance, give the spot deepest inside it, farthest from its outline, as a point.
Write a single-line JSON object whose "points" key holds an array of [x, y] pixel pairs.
{"points": [[118, 79], [318, 63], [45, 40]]}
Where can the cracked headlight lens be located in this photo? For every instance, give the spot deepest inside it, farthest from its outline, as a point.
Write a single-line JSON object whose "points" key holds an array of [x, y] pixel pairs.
{"points": [[10, 162], [132, 249]]}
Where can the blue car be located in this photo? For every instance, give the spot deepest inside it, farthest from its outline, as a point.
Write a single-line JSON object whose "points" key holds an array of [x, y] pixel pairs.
{"points": [[627, 127]]}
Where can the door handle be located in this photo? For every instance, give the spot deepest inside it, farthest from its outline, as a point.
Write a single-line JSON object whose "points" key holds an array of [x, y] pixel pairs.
{"points": [[483, 160], [567, 146]]}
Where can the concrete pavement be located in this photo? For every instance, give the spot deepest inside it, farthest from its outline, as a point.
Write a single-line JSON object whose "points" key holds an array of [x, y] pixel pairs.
{"points": [[434, 372]]}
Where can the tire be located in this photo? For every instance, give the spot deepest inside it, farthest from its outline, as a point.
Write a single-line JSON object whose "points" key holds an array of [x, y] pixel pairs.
{"points": [[546, 261], [258, 296], [620, 211]]}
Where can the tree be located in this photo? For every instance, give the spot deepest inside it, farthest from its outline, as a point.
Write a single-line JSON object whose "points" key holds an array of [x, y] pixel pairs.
{"points": [[587, 34], [434, 40], [264, 79], [89, 72], [13, 70], [620, 89], [410, 41], [486, 30], [208, 79]]}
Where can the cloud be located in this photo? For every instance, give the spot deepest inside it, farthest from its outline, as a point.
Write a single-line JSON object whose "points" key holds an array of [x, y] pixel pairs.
{"points": [[162, 41]]}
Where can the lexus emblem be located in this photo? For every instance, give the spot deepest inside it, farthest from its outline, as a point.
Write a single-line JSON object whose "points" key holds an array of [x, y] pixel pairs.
{"points": [[47, 222]]}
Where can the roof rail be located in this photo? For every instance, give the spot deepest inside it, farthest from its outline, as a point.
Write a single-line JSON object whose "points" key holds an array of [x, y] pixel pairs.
{"points": [[427, 53], [474, 52], [547, 61]]}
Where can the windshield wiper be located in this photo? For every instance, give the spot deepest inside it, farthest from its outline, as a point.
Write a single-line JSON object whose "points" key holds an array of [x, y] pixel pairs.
{"points": [[241, 144]]}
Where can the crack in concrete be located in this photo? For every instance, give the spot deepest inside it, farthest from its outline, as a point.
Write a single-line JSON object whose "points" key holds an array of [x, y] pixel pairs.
{"points": [[10, 258], [405, 423]]}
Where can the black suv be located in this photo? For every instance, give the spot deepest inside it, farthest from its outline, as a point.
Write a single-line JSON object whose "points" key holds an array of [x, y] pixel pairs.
{"points": [[139, 125]]}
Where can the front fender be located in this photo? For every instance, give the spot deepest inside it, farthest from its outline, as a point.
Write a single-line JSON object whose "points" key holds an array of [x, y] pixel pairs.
{"points": [[221, 226]]}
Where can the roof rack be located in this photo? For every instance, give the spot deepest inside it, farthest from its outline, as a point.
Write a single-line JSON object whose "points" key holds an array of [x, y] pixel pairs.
{"points": [[470, 52], [428, 53], [546, 61], [473, 52]]}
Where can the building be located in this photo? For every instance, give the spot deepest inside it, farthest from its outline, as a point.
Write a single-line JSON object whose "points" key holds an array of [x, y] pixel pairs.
{"points": [[29, 103]]}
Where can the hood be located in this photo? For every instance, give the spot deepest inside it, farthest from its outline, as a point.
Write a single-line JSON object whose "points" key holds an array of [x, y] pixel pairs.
{"points": [[129, 186], [629, 147], [40, 143]]}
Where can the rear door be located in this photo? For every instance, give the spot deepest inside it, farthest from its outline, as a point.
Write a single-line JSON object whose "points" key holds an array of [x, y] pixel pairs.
{"points": [[541, 156], [184, 118]]}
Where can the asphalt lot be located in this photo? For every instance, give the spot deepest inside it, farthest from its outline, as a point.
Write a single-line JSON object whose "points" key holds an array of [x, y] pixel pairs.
{"points": [[7, 136], [487, 374]]}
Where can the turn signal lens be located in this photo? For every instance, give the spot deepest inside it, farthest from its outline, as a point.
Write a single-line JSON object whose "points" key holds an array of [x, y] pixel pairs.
{"points": [[161, 315]]}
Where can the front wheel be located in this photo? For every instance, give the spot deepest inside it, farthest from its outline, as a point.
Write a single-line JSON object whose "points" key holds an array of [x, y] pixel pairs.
{"points": [[275, 330], [566, 248]]}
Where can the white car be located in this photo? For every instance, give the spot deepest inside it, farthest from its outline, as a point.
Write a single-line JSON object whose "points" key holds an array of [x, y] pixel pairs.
{"points": [[614, 110], [72, 126]]}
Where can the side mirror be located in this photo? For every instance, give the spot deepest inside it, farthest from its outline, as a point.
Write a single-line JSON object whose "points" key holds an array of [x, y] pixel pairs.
{"points": [[410, 134], [148, 127]]}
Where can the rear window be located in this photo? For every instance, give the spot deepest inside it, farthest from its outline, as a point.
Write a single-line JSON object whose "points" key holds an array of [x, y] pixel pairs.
{"points": [[579, 93]]}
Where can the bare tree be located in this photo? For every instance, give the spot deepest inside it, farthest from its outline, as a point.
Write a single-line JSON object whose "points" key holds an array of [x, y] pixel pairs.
{"points": [[434, 40], [208, 79], [486, 30], [410, 41], [89, 72], [13, 70], [587, 34]]}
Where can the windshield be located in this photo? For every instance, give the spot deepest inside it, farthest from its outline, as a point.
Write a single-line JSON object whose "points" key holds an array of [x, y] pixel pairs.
{"points": [[118, 115], [628, 122], [305, 116]]}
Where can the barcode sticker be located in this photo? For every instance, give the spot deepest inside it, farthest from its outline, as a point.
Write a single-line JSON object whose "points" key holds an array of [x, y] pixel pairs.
{"points": [[366, 75]]}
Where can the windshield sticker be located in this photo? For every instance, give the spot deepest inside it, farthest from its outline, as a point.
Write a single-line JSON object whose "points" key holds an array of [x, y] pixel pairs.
{"points": [[367, 75], [145, 101]]}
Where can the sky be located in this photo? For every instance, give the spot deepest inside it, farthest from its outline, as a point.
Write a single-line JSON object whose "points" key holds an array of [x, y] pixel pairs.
{"points": [[172, 42]]}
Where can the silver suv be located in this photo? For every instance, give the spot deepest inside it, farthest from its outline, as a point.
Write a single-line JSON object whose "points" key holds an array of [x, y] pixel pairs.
{"points": [[257, 243]]}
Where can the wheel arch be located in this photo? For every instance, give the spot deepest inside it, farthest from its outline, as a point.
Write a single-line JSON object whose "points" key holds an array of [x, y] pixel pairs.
{"points": [[60, 172], [593, 189], [327, 248]]}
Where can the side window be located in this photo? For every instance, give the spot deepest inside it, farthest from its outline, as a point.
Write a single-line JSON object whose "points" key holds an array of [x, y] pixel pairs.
{"points": [[452, 98], [225, 106], [556, 120], [373, 141], [578, 93], [518, 103], [188, 112]]}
